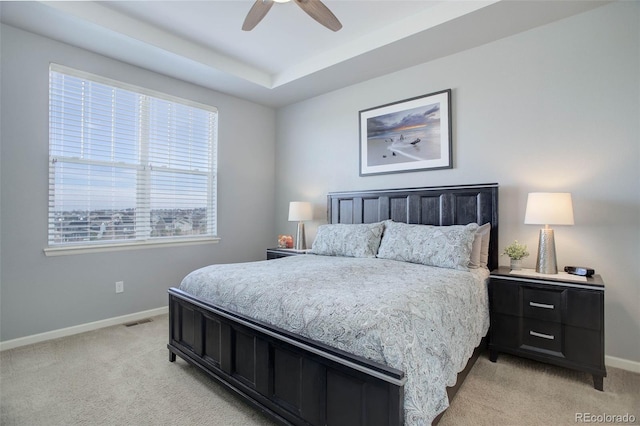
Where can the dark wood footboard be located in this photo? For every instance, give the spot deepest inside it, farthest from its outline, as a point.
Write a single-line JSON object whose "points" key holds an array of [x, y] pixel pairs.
{"points": [[292, 379]]}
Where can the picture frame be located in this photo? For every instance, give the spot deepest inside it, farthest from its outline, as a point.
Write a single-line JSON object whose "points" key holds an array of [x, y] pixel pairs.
{"points": [[407, 136]]}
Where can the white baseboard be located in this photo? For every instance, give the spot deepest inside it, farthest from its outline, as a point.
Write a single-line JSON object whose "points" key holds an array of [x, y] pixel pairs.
{"points": [[610, 361], [623, 364], [63, 332]]}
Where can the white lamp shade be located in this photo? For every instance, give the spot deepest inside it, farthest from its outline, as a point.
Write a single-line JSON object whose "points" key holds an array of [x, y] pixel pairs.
{"points": [[299, 211], [549, 208]]}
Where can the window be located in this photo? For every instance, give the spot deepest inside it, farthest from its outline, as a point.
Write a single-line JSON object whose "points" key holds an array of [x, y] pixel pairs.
{"points": [[126, 165]]}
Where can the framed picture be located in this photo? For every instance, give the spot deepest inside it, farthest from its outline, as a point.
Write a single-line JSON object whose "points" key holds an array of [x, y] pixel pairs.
{"points": [[407, 136]]}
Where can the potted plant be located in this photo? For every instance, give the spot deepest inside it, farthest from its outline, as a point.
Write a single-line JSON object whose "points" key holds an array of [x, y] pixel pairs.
{"points": [[516, 253]]}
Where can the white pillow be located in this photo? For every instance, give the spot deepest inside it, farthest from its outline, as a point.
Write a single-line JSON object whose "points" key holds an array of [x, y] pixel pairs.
{"points": [[485, 230], [480, 247], [476, 248], [442, 246], [357, 240]]}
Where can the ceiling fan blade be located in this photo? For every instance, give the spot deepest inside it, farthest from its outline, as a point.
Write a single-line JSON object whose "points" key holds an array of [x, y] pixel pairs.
{"points": [[256, 13], [321, 13]]}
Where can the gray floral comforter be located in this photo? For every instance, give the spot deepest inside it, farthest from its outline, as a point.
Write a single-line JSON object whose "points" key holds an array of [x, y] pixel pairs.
{"points": [[420, 319]]}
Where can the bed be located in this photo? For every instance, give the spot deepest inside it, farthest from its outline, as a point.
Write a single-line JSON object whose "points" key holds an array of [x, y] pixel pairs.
{"points": [[301, 363]]}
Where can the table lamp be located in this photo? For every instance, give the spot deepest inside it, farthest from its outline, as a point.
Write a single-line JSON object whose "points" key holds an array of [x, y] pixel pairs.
{"points": [[548, 208], [299, 211]]}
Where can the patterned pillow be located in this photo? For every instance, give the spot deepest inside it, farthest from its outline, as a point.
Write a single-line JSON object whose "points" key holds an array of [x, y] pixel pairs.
{"points": [[358, 240], [442, 246]]}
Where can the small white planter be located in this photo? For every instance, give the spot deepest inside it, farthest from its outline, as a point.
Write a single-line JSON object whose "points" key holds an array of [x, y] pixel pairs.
{"points": [[516, 264]]}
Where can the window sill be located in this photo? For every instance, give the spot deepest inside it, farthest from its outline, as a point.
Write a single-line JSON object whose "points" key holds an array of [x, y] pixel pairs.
{"points": [[84, 249]]}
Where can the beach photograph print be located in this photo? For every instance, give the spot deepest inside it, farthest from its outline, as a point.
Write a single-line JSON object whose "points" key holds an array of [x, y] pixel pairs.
{"points": [[410, 135]]}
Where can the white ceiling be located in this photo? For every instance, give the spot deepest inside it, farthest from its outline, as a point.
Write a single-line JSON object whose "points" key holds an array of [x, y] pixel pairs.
{"points": [[288, 57]]}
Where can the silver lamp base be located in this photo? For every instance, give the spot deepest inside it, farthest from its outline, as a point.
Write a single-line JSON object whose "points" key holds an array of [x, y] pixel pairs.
{"points": [[301, 243], [546, 263]]}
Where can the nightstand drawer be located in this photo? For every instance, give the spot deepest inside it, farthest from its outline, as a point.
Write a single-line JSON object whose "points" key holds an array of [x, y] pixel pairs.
{"points": [[542, 304], [542, 334]]}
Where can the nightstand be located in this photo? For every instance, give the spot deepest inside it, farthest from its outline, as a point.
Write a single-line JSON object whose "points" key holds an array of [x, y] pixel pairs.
{"points": [[557, 319], [276, 253]]}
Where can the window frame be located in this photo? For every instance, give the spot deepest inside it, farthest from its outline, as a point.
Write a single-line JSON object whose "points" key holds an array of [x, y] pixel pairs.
{"points": [[146, 208]]}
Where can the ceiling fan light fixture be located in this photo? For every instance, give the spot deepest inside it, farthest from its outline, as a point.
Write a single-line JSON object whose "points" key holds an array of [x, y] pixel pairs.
{"points": [[314, 8]]}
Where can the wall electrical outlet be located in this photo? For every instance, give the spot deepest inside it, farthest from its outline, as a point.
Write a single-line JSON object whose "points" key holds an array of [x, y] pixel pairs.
{"points": [[119, 286]]}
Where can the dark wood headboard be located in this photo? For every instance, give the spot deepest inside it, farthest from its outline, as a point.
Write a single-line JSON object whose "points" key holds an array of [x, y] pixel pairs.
{"points": [[442, 205]]}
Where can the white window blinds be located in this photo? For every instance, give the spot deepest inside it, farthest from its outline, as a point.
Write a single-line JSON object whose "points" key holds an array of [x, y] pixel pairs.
{"points": [[126, 164]]}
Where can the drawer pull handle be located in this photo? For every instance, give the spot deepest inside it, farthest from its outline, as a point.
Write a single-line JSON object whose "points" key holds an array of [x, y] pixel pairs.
{"points": [[540, 305], [542, 335]]}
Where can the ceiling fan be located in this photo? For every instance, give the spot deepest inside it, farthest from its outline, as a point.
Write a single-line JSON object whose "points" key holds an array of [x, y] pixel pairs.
{"points": [[314, 8]]}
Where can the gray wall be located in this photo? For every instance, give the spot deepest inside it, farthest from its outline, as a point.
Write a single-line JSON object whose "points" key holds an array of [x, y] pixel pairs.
{"points": [[39, 293], [556, 108]]}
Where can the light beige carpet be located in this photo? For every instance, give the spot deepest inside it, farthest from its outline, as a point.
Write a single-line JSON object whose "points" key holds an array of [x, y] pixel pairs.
{"points": [[121, 376], [516, 391]]}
